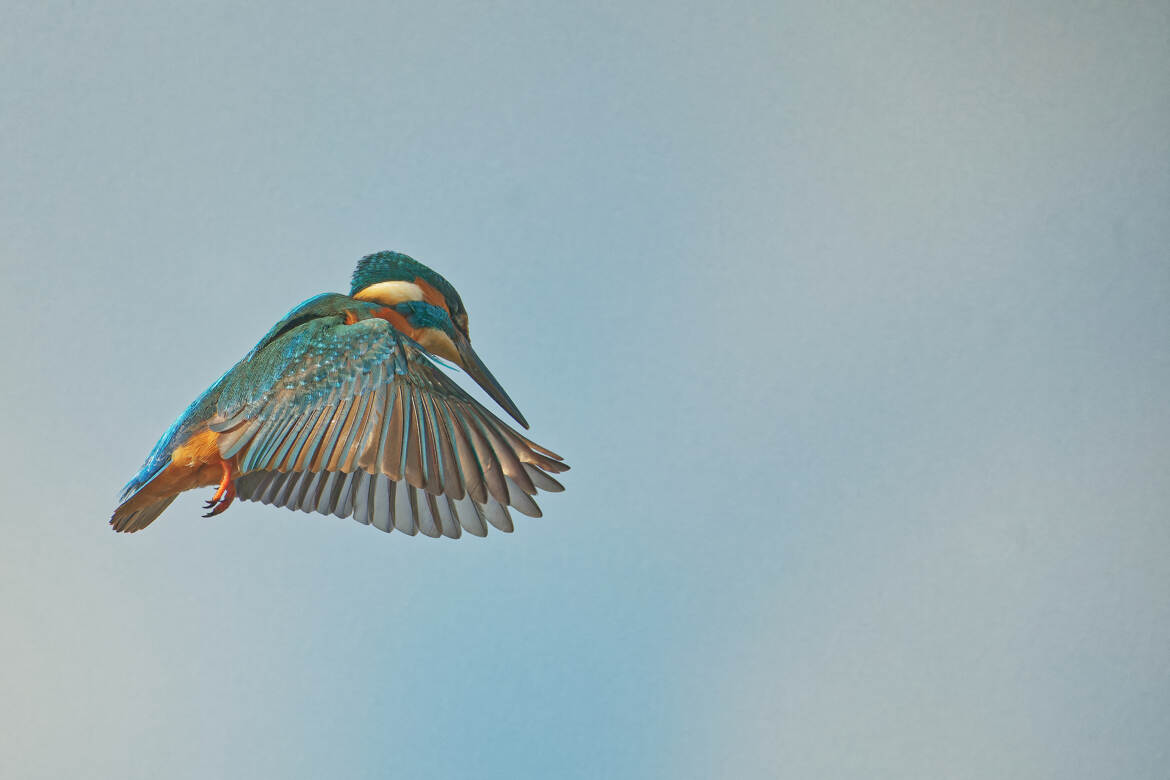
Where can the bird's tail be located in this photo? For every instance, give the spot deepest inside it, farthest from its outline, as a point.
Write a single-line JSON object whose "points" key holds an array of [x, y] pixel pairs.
{"points": [[141, 504], [134, 514]]}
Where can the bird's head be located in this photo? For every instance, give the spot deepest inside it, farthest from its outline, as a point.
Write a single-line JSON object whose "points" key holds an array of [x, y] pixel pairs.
{"points": [[432, 314]]}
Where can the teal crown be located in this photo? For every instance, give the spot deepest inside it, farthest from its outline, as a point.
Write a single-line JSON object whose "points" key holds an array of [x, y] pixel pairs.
{"points": [[395, 267]]}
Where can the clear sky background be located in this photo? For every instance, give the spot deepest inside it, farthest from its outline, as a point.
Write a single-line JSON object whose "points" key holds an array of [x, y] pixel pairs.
{"points": [[851, 318]]}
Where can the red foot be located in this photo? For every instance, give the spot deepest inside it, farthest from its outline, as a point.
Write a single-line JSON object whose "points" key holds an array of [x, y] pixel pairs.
{"points": [[225, 494]]}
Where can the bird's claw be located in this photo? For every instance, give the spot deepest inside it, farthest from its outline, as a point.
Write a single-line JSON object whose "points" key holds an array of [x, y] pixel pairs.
{"points": [[224, 494], [221, 505]]}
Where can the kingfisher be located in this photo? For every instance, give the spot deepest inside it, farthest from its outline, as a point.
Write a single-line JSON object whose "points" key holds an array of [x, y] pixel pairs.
{"points": [[342, 409]]}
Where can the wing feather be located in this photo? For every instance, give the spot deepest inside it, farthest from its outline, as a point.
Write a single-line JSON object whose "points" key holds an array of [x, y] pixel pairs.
{"points": [[299, 489], [392, 436], [428, 515], [345, 496], [383, 501], [267, 492], [233, 440], [497, 514], [266, 440], [471, 517], [541, 480], [406, 509], [358, 421], [445, 476], [469, 470], [341, 450], [448, 519], [370, 443], [280, 496], [493, 473], [327, 500], [314, 427], [353, 442], [312, 495], [329, 441], [508, 457], [362, 487], [450, 472], [290, 442], [521, 501], [415, 471]]}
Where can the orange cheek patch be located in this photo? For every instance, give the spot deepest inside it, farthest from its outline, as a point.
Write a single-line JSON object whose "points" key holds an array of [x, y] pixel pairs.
{"points": [[430, 294], [397, 320]]}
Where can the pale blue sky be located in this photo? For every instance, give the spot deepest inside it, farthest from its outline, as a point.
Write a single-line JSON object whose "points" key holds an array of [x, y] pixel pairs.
{"points": [[851, 320]]}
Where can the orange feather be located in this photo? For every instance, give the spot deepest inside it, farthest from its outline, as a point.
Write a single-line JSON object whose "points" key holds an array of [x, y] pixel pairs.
{"points": [[430, 294], [195, 463]]}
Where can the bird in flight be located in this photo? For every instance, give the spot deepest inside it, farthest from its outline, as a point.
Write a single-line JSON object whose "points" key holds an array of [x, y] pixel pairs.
{"points": [[342, 410]]}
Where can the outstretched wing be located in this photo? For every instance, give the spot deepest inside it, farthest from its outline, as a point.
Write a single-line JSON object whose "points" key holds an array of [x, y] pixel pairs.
{"points": [[357, 420]]}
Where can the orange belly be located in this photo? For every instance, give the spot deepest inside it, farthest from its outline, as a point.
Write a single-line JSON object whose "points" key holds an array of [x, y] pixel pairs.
{"points": [[194, 464]]}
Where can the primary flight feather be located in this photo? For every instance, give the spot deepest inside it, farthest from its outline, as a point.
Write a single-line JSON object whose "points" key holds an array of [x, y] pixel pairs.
{"points": [[340, 409]]}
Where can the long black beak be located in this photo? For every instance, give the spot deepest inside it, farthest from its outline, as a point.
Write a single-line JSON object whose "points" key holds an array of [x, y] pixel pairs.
{"points": [[479, 372]]}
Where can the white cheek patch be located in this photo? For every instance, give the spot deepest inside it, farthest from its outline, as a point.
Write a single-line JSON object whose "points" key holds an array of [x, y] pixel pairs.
{"points": [[391, 293]]}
